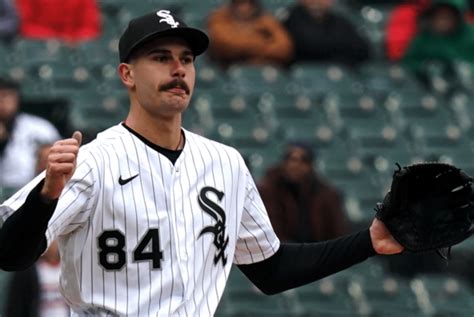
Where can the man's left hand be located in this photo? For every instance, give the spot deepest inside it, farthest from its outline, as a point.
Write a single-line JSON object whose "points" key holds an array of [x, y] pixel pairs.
{"points": [[382, 241]]}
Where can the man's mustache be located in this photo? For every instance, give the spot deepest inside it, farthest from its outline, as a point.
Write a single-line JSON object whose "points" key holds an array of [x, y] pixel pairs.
{"points": [[177, 83]]}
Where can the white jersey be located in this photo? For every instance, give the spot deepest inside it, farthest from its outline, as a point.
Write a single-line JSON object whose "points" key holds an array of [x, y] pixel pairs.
{"points": [[141, 236]]}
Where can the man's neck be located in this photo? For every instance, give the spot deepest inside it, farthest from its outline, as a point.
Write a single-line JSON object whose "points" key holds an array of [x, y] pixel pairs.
{"points": [[165, 132]]}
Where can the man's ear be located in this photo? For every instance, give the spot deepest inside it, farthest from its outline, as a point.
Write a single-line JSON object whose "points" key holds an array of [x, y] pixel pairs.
{"points": [[125, 72]]}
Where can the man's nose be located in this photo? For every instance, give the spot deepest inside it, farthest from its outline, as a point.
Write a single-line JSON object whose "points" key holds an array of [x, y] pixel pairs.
{"points": [[178, 69]]}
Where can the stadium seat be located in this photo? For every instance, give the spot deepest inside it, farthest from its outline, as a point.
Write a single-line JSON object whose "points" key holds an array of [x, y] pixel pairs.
{"points": [[243, 133], [257, 79], [96, 53], [460, 155], [354, 104], [4, 280], [261, 157], [416, 105], [326, 297], [383, 78], [287, 105], [436, 138], [373, 136], [44, 51], [209, 77], [242, 298], [322, 78], [63, 77], [312, 129], [443, 295], [92, 113], [389, 295]]}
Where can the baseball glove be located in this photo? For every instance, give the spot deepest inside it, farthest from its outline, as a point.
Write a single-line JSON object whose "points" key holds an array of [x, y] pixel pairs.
{"points": [[428, 207]]}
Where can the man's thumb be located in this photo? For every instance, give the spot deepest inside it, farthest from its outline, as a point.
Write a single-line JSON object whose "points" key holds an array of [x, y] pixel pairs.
{"points": [[78, 136]]}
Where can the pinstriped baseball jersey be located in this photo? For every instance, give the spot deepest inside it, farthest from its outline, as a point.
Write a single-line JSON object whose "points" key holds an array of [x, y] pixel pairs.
{"points": [[141, 236]]}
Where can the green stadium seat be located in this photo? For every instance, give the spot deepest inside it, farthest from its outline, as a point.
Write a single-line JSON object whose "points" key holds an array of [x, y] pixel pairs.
{"points": [[238, 106], [437, 137], [361, 196], [241, 298], [390, 295], [257, 79], [338, 161], [96, 53], [322, 78], [415, 106], [63, 77], [92, 113], [327, 297], [310, 129], [261, 157], [243, 133], [44, 51], [443, 295], [354, 104], [374, 136], [4, 281], [460, 156], [208, 76], [35, 89], [285, 105], [384, 78]]}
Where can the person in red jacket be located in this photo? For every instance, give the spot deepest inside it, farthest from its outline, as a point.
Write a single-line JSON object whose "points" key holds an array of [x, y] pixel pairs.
{"points": [[402, 27], [71, 20]]}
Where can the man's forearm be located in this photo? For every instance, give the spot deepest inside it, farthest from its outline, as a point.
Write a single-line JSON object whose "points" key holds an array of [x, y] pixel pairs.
{"points": [[294, 265], [22, 236]]}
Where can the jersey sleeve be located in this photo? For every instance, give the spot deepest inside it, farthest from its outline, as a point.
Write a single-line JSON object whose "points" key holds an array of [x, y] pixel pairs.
{"points": [[76, 201], [74, 204], [257, 240]]}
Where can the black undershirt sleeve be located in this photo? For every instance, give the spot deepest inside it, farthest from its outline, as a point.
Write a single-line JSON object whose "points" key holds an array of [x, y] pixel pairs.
{"points": [[294, 265], [23, 235]]}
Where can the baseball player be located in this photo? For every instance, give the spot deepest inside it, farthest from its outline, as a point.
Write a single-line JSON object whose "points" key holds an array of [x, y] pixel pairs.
{"points": [[149, 216]]}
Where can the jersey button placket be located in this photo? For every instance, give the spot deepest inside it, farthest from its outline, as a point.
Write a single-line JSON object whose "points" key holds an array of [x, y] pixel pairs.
{"points": [[178, 229]]}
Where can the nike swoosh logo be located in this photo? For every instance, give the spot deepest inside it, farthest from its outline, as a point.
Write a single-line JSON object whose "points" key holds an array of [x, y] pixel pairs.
{"points": [[127, 180]]}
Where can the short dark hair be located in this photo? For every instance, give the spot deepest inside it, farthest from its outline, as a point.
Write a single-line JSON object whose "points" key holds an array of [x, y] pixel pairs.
{"points": [[6, 84], [256, 3], [309, 155]]}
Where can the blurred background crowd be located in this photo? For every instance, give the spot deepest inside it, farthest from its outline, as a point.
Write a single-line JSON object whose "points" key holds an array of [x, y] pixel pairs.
{"points": [[321, 97]]}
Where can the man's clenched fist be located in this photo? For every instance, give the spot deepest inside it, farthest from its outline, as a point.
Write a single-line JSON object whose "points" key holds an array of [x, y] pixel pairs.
{"points": [[61, 165]]}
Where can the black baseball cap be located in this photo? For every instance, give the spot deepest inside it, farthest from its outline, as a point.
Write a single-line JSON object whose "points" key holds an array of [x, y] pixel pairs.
{"points": [[161, 23]]}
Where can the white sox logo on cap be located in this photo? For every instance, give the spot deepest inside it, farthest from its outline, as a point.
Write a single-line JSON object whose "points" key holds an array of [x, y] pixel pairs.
{"points": [[167, 18]]}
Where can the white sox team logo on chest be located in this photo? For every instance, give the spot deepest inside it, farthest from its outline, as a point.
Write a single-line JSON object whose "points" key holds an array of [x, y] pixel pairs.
{"points": [[218, 230], [167, 18]]}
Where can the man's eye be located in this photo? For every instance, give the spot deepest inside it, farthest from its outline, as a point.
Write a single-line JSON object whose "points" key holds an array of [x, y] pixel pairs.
{"points": [[161, 58], [187, 60]]}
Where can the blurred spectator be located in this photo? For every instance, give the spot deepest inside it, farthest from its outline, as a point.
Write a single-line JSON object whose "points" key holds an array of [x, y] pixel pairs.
{"points": [[322, 35], [8, 20], [36, 291], [301, 205], [42, 157], [444, 39], [71, 20], [242, 33], [402, 26], [20, 136]]}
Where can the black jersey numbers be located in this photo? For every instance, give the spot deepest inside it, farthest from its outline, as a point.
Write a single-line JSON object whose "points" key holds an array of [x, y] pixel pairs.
{"points": [[112, 255], [149, 249], [111, 250]]}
